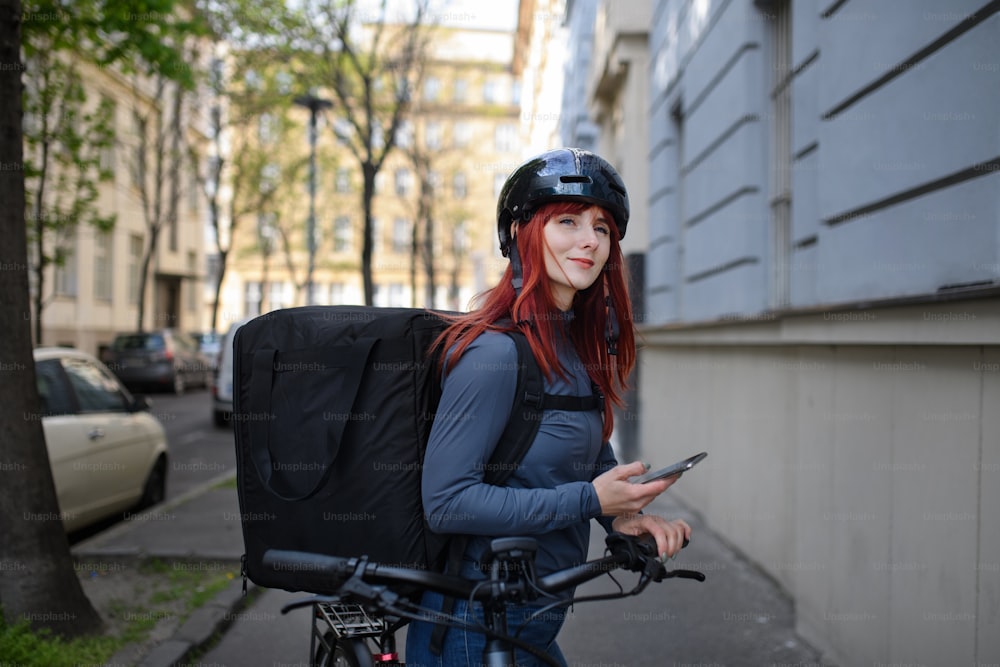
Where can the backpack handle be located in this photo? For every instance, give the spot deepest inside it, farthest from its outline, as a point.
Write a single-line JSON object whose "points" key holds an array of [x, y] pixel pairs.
{"points": [[261, 381]]}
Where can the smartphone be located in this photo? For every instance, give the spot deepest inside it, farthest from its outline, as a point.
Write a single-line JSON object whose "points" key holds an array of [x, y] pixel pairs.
{"points": [[670, 471]]}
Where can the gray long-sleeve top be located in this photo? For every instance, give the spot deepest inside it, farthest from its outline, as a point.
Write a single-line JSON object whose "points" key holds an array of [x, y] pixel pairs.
{"points": [[549, 495]]}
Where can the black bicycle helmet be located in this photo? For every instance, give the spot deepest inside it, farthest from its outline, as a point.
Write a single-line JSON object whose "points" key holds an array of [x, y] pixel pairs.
{"points": [[562, 174]]}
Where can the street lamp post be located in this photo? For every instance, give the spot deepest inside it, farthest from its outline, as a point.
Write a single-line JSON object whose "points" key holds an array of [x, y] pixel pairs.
{"points": [[315, 105]]}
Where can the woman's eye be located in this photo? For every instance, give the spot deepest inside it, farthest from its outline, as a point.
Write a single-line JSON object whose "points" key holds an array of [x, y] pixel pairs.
{"points": [[567, 221], [602, 229]]}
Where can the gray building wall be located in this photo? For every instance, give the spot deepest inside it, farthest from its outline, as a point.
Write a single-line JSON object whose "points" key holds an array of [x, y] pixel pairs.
{"points": [[576, 127], [894, 158], [823, 307]]}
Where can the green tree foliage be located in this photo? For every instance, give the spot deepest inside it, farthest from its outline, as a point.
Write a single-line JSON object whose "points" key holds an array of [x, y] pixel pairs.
{"points": [[69, 138]]}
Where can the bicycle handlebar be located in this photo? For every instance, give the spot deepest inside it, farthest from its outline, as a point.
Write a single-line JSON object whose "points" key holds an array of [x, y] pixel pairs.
{"points": [[329, 574]]}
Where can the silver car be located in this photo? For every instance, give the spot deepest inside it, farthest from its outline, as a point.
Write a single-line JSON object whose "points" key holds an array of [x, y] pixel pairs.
{"points": [[108, 453], [222, 389]]}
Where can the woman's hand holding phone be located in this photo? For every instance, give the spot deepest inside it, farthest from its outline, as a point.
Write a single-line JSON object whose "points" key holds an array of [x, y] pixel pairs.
{"points": [[619, 496]]}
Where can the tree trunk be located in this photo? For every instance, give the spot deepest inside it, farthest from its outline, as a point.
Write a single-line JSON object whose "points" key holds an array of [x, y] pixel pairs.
{"points": [[147, 259], [223, 256], [37, 581], [39, 222]]}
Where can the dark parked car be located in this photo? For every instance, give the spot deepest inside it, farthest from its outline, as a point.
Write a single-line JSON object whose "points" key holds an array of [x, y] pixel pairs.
{"points": [[164, 359]]}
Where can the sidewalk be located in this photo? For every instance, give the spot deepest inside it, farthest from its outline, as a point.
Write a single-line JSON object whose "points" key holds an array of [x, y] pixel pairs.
{"points": [[737, 617]]}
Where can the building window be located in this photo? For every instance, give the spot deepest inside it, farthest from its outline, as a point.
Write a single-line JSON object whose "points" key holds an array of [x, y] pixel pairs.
{"points": [[404, 134], [342, 234], [135, 249], [490, 92], [499, 178], [403, 179], [505, 138], [319, 295], [459, 239], [267, 125], [460, 91], [462, 134], [192, 282], [343, 180], [401, 236], [103, 261], [65, 278], [337, 294], [279, 295], [194, 191], [251, 299], [107, 157], [433, 136], [459, 185], [432, 88], [342, 130]]}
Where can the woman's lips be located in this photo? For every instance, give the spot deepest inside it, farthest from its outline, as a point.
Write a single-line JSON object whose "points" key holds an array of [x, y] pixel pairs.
{"points": [[586, 263]]}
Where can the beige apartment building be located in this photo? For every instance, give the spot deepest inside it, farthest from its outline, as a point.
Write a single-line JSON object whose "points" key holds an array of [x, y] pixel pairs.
{"points": [[461, 139], [95, 293]]}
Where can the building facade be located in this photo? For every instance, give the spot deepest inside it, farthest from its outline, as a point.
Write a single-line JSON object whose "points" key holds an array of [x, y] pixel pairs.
{"points": [[456, 147], [94, 293], [821, 313]]}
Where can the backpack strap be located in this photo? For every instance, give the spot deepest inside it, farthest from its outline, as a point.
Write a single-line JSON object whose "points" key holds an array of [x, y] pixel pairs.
{"points": [[530, 402]]}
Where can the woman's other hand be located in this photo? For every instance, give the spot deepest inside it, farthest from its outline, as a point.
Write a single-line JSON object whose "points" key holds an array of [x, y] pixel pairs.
{"points": [[669, 535]]}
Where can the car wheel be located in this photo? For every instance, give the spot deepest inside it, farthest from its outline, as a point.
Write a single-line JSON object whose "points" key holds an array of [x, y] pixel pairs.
{"points": [[155, 490], [179, 384]]}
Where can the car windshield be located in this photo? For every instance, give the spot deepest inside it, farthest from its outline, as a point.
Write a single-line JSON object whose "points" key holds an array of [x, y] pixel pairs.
{"points": [[139, 342]]}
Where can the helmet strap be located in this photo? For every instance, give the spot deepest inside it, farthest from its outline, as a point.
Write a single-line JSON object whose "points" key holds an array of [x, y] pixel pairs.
{"points": [[517, 280]]}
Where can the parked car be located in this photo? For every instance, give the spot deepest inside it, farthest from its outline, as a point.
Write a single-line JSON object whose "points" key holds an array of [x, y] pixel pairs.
{"points": [[108, 453], [164, 359], [210, 343], [222, 390]]}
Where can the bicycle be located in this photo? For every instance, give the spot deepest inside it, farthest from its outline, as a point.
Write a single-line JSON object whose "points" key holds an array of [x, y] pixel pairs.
{"points": [[356, 617]]}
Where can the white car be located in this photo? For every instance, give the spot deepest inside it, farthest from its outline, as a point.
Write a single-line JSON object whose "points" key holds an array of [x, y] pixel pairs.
{"points": [[108, 453], [222, 391]]}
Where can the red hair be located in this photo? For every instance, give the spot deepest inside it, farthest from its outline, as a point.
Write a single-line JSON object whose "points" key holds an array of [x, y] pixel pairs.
{"points": [[535, 313]]}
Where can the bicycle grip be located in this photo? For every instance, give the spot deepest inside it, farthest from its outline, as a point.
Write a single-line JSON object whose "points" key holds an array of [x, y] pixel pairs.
{"points": [[323, 573]]}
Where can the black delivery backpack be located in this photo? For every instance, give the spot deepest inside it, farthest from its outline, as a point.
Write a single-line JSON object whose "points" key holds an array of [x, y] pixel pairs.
{"points": [[332, 408]]}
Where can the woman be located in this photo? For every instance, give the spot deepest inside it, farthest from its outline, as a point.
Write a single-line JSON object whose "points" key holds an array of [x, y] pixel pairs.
{"points": [[560, 218]]}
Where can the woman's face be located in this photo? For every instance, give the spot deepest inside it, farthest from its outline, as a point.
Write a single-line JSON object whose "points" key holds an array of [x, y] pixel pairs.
{"points": [[577, 248]]}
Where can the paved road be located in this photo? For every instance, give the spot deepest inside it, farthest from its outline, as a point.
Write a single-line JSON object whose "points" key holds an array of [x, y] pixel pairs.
{"points": [[199, 451]]}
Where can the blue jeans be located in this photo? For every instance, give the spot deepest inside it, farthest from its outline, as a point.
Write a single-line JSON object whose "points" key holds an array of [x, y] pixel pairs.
{"points": [[465, 648]]}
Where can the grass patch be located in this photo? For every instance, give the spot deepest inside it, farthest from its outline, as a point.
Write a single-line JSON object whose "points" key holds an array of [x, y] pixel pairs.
{"points": [[20, 646], [227, 484], [141, 602]]}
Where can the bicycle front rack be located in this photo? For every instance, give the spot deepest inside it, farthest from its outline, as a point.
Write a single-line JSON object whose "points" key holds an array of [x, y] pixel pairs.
{"points": [[349, 620]]}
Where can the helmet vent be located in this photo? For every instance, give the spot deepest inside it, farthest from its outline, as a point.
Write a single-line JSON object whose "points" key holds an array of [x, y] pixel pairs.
{"points": [[575, 178]]}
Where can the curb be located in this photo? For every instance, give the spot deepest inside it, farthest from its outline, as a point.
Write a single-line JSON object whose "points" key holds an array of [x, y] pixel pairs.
{"points": [[204, 624], [201, 627]]}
